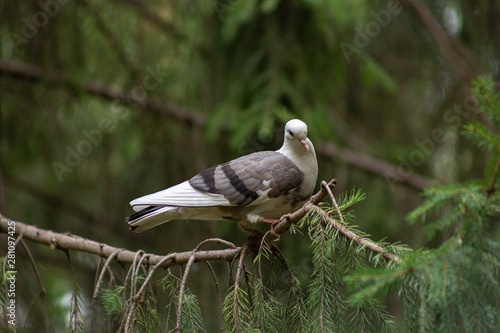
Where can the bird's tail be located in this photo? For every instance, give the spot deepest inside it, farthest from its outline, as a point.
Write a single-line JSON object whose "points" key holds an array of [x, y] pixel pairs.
{"points": [[152, 216]]}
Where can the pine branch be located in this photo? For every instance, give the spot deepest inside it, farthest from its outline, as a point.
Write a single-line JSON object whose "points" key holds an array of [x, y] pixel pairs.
{"points": [[68, 241], [363, 241], [71, 242]]}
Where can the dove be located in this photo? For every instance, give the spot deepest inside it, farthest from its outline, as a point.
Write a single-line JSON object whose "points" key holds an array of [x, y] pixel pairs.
{"points": [[256, 188]]}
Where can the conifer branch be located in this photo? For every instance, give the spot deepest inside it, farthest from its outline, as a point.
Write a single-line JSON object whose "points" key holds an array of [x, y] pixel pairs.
{"points": [[363, 241], [68, 241], [491, 186]]}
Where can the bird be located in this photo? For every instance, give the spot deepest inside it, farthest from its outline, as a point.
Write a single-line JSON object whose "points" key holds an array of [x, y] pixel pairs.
{"points": [[256, 188]]}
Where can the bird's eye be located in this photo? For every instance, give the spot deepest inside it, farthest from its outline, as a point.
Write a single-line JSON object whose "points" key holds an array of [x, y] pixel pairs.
{"points": [[290, 132]]}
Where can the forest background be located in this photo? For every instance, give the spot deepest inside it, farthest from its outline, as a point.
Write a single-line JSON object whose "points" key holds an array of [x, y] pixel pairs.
{"points": [[103, 102]]}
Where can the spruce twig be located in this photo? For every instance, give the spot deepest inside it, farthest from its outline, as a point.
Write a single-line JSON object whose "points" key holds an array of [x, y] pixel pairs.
{"points": [[186, 273], [101, 275], [491, 186], [332, 197], [363, 241], [43, 292]]}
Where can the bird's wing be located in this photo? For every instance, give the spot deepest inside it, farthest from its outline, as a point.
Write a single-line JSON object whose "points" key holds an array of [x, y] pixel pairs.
{"points": [[250, 179], [247, 180]]}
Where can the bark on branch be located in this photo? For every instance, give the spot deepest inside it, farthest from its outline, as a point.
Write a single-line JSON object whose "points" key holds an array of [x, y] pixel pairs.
{"points": [[379, 167], [67, 241]]}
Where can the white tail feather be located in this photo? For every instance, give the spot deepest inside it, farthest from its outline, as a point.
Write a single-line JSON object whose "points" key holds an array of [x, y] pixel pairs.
{"points": [[180, 195]]}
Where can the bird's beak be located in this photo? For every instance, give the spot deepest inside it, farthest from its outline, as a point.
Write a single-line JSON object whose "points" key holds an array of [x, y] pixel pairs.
{"points": [[304, 143]]}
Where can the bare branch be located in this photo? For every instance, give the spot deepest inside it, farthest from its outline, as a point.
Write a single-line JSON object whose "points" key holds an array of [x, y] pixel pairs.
{"points": [[376, 166], [237, 282], [42, 293], [76, 243], [186, 273], [28, 71], [457, 55], [219, 298], [182, 291], [101, 276]]}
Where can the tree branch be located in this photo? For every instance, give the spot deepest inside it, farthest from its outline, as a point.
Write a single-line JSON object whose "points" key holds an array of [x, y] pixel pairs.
{"points": [[455, 53], [363, 241], [71, 242], [28, 71], [68, 242], [376, 166]]}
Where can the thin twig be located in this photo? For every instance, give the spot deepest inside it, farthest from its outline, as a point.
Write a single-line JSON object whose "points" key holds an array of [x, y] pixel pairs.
{"points": [[135, 267], [237, 281], [94, 303], [186, 273], [217, 291], [134, 297], [103, 271], [43, 291], [73, 319], [181, 292], [334, 202], [264, 242], [133, 305]]}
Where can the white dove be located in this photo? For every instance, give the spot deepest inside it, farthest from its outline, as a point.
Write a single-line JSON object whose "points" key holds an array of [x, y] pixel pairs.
{"points": [[259, 187]]}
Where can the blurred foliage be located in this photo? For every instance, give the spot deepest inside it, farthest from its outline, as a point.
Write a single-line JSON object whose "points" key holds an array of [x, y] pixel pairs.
{"points": [[244, 67], [454, 287]]}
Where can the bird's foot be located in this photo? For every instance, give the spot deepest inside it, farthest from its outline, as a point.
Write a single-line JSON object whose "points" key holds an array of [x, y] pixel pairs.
{"points": [[273, 223], [255, 233]]}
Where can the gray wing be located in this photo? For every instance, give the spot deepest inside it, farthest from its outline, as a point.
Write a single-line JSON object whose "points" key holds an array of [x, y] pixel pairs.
{"points": [[245, 179]]}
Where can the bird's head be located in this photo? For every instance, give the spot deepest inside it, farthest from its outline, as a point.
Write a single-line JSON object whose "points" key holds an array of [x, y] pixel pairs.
{"points": [[296, 130]]}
